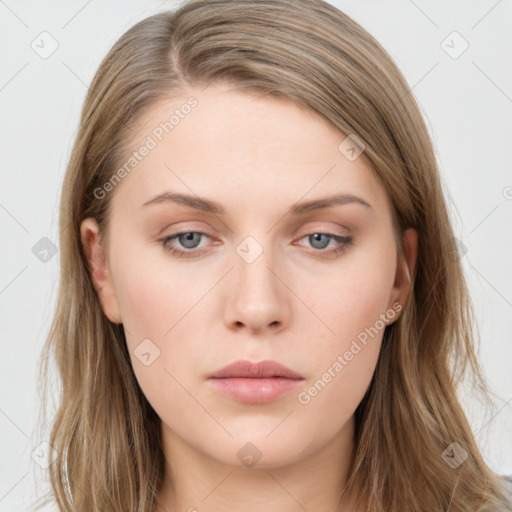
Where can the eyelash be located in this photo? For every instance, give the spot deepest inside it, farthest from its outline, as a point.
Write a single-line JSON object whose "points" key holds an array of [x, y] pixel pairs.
{"points": [[345, 242]]}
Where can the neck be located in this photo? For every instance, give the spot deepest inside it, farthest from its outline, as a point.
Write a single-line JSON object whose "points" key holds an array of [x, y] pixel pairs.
{"points": [[195, 481]]}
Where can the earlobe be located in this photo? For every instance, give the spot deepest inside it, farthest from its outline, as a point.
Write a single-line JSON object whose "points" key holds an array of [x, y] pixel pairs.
{"points": [[98, 269]]}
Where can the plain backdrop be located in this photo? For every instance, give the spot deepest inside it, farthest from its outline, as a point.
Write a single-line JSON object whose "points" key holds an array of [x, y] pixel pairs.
{"points": [[456, 56]]}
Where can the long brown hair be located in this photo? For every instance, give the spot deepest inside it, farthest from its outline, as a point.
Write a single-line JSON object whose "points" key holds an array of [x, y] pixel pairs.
{"points": [[106, 434]]}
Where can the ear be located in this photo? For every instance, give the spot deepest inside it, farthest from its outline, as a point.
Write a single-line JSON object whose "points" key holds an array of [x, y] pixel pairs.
{"points": [[100, 275], [405, 268]]}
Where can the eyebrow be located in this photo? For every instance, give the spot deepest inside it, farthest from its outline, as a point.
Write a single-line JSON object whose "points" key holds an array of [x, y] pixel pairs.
{"points": [[207, 205]]}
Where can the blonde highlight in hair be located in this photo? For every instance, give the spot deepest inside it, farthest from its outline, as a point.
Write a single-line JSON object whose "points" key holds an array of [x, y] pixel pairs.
{"points": [[106, 434]]}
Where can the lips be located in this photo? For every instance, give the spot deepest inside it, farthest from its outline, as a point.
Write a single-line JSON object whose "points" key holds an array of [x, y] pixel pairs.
{"points": [[260, 370], [255, 383]]}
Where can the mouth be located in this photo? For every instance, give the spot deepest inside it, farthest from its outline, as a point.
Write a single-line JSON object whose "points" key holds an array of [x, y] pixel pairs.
{"points": [[254, 391], [259, 370], [255, 383]]}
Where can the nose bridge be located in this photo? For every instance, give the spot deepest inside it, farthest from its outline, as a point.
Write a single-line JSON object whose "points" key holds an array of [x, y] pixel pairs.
{"points": [[258, 297]]}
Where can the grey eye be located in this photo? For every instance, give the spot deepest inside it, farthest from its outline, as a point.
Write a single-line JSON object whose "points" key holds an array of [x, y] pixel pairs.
{"points": [[190, 240], [320, 243]]}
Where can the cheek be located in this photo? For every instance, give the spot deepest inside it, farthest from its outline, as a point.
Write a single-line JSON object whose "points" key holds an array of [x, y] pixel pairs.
{"points": [[354, 307], [143, 300], [354, 297], [343, 363], [151, 301], [151, 306], [163, 305]]}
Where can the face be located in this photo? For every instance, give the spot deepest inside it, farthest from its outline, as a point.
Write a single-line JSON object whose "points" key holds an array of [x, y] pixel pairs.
{"points": [[263, 277]]}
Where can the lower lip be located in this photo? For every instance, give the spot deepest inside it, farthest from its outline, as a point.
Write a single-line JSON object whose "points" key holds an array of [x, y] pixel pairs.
{"points": [[255, 391]]}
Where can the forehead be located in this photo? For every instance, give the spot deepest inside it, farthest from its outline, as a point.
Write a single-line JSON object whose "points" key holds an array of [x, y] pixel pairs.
{"points": [[241, 147]]}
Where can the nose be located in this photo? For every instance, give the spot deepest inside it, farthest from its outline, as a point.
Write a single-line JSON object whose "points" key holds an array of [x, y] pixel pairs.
{"points": [[258, 298]]}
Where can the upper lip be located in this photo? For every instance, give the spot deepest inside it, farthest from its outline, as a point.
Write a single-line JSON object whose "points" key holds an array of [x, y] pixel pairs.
{"points": [[260, 370]]}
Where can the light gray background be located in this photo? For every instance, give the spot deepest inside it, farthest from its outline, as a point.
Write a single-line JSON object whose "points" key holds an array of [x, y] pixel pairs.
{"points": [[467, 102]]}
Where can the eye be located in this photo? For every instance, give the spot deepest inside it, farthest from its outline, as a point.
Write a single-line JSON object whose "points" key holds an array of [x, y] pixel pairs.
{"points": [[320, 240], [189, 239]]}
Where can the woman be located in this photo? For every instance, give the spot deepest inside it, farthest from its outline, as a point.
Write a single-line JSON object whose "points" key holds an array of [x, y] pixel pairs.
{"points": [[261, 303]]}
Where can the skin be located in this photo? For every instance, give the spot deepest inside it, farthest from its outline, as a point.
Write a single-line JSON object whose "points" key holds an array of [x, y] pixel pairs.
{"points": [[257, 156]]}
